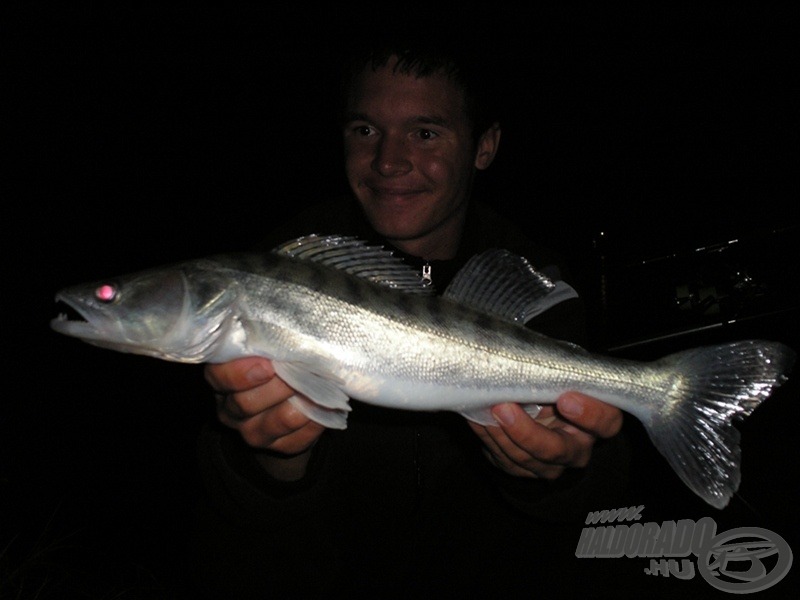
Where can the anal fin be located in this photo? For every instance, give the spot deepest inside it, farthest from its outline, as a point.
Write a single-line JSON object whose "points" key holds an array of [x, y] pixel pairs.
{"points": [[483, 416]]}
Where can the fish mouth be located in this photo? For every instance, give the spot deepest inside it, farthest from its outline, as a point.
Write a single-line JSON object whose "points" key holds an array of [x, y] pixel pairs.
{"points": [[74, 320]]}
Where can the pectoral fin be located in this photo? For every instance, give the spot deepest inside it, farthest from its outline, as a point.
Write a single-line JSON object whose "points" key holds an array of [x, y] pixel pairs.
{"points": [[328, 417], [324, 401]]}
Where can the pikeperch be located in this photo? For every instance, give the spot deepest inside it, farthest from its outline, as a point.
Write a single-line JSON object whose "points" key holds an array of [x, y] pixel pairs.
{"points": [[341, 319]]}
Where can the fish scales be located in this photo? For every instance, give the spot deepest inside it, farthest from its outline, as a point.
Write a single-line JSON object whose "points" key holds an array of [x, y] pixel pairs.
{"points": [[376, 333]]}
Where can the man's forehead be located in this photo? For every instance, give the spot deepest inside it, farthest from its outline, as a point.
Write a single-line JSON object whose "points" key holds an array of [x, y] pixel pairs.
{"points": [[436, 91], [392, 71]]}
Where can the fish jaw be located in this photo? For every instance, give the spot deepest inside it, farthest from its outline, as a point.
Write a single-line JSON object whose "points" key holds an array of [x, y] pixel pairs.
{"points": [[175, 315], [93, 329]]}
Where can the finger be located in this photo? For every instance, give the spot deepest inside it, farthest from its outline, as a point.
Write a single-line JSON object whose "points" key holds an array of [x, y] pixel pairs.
{"points": [[559, 443], [239, 374], [250, 402], [508, 451], [589, 414], [528, 436], [282, 428], [297, 441], [497, 456]]}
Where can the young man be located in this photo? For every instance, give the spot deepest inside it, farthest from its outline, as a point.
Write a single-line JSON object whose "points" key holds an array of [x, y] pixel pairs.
{"points": [[401, 500]]}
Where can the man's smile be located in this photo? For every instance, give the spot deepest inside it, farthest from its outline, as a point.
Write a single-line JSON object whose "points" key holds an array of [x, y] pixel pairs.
{"points": [[384, 192]]}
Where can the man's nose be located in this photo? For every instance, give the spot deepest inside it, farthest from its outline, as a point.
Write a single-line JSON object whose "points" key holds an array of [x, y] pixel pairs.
{"points": [[391, 158]]}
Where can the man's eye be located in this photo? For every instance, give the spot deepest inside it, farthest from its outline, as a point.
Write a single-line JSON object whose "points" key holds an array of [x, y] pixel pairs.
{"points": [[363, 130], [426, 134]]}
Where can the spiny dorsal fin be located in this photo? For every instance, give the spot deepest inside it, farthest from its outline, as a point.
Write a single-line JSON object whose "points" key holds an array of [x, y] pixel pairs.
{"points": [[505, 285], [352, 255]]}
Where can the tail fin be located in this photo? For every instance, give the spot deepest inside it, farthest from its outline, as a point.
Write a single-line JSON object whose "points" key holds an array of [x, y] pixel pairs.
{"points": [[714, 386]]}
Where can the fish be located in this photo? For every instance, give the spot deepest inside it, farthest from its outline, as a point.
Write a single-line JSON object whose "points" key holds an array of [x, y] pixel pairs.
{"points": [[342, 319]]}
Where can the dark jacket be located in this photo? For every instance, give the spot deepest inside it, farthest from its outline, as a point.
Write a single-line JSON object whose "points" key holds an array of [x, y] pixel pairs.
{"points": [[399, 502]]}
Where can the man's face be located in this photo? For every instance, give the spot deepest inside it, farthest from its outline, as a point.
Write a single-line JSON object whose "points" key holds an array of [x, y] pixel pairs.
{"points": [[410, 158]]}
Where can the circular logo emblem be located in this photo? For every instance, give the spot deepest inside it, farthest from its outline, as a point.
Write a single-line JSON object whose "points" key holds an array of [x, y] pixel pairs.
{"points": [[744, 560]]}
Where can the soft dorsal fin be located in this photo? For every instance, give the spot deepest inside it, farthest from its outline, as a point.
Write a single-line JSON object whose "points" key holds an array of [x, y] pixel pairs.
{"points": [[354, 256], [505, 285]]}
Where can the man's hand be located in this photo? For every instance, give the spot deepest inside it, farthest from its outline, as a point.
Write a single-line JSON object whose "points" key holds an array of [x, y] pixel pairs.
{"points": [[254, 401], [560, 436]]}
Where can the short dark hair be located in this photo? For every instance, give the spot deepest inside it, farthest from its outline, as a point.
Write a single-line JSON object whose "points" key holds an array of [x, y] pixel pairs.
{"points": [[424, 57]]}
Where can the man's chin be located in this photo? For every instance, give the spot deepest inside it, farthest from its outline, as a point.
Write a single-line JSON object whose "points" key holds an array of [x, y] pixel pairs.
{"points": [[399, 235], [392, 225]]}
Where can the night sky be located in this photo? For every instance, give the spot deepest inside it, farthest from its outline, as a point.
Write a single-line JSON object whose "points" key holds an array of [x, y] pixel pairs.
{"points": [[133, 124]]}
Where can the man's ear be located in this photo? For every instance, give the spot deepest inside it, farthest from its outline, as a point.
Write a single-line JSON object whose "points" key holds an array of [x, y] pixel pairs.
{"points": [[487, 146]]}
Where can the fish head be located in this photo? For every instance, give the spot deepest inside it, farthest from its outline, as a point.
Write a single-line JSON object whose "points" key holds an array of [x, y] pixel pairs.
{"points": [[178, 313]]}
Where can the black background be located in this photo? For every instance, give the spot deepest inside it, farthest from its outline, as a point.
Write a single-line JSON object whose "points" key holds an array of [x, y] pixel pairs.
{"points": [[140, 136]]}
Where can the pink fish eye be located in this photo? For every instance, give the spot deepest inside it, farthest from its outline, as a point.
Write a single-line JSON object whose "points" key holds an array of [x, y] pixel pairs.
{"points": [[106, 293]]}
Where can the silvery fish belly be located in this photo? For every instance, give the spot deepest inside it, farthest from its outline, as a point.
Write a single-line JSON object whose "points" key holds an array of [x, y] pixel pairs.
{"points": [[341, 320]]}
